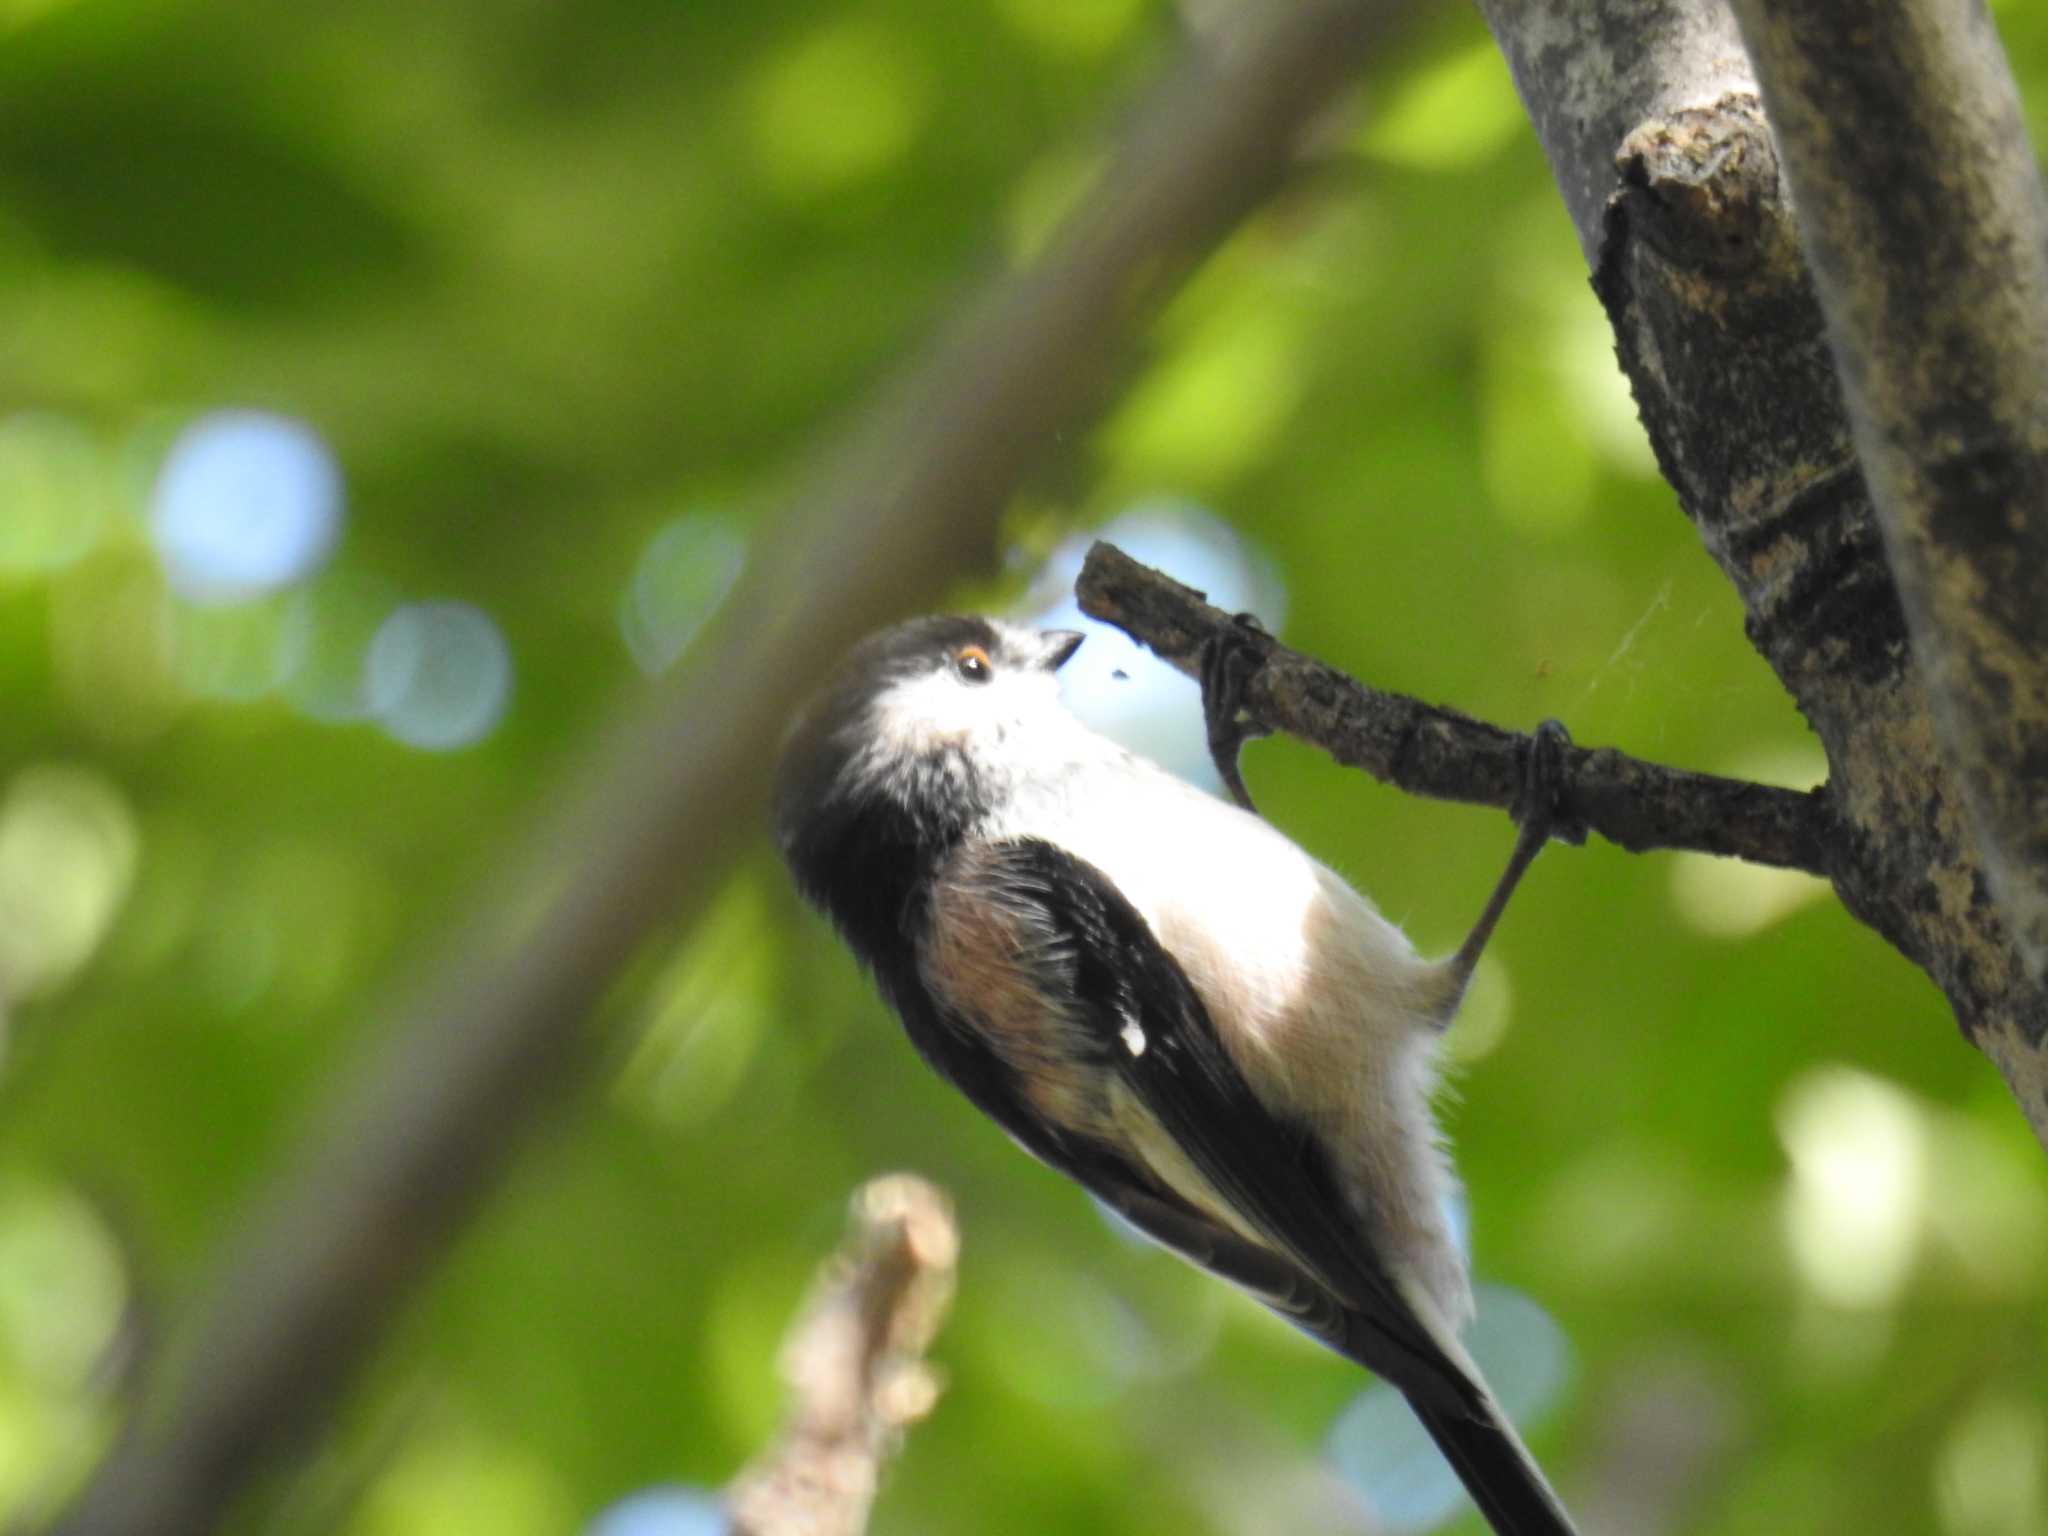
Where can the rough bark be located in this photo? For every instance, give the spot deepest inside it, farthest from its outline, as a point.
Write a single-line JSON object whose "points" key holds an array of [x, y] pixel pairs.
{"points": [[1928, 242], [1655, 131]]}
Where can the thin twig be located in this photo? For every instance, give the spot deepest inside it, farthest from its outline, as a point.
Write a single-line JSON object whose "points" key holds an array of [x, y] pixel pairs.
{"points": [[854, 1362], [907, 504], [1426, 749]]}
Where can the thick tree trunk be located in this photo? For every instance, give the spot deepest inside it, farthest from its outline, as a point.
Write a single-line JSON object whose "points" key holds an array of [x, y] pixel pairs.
{"points": [[1654, 126]]}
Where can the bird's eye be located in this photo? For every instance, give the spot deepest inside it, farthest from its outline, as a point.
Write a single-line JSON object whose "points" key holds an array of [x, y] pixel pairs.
{"points": [[972, 663]]}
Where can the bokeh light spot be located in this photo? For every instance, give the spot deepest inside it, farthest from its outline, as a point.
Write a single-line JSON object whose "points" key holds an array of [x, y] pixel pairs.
{"points": [[24, 13], [440, 675], [246, 503], [63, 1287], [464, 1484], [837, 108], [708, 1010], [57, 486], [1556, 408], [1991, 1471], [1522, 1352], [68, 850], [1077, 29], [1613, 1216], [684, 574], [1115, 685], [1582, 348], [1730, 899], [1992, 1218], [1073, 1343], [671, 1511], [1855, 1208], [1382, 1449], [1458, 112], [1482, 1020], [1218, 402]]}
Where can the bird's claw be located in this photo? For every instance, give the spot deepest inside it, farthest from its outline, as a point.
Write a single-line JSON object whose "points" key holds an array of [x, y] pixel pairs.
{"points": [[1229, 657], [1542, 803]]}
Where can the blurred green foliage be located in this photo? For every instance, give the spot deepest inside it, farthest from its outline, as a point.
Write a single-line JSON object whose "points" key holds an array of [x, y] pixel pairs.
{"points": [[568, 291]]}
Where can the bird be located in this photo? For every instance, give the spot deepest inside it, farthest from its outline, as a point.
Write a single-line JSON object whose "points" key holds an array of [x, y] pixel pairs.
{"points": [[1160, 995]]}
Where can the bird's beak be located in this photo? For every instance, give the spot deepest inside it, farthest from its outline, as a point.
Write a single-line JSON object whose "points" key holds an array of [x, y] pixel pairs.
{"points": [[1060, 644]]}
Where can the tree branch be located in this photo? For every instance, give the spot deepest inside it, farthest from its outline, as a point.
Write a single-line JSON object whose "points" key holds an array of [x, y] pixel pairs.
{"points": [[1928, 240], [906, 504], [854, 1363], [1696, 257], [1426, 749]]}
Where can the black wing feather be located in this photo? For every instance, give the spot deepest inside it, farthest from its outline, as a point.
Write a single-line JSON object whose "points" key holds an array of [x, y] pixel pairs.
{"points": [[1268, 1169]]}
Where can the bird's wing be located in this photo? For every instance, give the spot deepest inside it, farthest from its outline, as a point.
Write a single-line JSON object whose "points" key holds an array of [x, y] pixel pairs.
{"points": [[1054, 987]]}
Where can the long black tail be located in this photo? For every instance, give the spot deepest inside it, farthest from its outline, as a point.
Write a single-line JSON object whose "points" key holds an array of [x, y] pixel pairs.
{"points": [[1501, 1476]]}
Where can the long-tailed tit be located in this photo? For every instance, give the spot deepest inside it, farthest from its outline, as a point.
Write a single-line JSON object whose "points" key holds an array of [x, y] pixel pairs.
{"points": [[1161, 996]]}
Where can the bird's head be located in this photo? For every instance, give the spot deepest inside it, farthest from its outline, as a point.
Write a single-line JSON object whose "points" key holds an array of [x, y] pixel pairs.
{"points": [[916, 737]]}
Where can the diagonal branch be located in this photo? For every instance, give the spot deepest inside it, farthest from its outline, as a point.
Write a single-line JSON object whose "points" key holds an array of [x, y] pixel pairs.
{"points": [[1651, 120], [1429, 750], [1928, 243], [908, 503]]}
